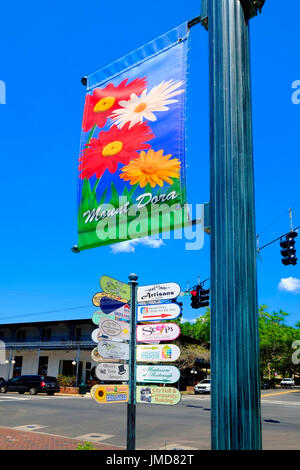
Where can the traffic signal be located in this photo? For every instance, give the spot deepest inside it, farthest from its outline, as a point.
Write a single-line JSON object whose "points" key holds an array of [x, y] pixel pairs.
{"points": [[204, 297], [195, 301], [199, 297], [288, 251]]}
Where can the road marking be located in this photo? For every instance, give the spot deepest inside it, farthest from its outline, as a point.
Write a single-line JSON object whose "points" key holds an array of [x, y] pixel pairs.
{"points": [[29, 427], [280, 393], [94, 436], [281, 402], [13, 398]]}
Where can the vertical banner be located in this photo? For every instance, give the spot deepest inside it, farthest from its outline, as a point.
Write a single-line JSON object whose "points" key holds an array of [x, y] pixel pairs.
{"points": [[131, 180]]}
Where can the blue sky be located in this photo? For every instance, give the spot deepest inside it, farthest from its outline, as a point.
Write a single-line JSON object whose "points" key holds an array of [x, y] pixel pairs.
{"points": [[45, 50]]}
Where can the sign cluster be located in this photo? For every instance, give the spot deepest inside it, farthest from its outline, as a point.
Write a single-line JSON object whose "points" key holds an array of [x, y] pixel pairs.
{"points": [[150, 330], [112, 336]]}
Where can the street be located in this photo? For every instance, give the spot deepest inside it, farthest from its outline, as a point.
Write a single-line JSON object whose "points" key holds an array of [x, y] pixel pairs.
{"points": [[184, 426]]}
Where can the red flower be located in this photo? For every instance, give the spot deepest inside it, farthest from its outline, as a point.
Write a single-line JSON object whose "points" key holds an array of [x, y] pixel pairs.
{"points": [[99, 106], [113, 147]]}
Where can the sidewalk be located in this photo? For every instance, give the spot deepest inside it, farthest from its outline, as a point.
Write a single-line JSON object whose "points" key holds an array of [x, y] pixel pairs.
{"points": [[12, 439]]}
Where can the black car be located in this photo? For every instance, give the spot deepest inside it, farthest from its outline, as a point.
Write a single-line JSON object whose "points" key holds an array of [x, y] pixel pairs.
{"points": [[31, 383]]}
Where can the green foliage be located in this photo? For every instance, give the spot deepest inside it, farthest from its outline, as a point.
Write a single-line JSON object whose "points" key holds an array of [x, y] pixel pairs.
{"points": [[200, 329], [86, 446], [66, 381], [275, 338]]}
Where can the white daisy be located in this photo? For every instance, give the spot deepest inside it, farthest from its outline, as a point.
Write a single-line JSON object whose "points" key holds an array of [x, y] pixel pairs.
{"points": [[138, 108]]}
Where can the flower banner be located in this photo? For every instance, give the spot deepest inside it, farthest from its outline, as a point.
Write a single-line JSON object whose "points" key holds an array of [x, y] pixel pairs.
{"points": [[132, 155]]}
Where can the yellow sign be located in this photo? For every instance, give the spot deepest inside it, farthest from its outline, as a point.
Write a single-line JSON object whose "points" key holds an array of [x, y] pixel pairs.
{"points": [[99, 295], [110, 393]]}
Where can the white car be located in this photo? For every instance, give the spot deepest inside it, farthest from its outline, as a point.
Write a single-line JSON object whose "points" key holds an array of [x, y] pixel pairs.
{"points": [[202, 387], [287, 383]]}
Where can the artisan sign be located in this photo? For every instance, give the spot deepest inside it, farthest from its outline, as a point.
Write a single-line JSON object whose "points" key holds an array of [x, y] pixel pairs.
{"points": [[157, 332], [157, 374], [157, 395], [112, 372], [149, 313], [157, 353], [110, 393], [113, 350], [169, 290], [114, 287]]}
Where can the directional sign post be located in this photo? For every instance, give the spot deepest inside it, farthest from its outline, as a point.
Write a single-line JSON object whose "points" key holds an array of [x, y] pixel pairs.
{"points": [[157, 353], [157, 374], [169, 290], [158, 395], [112, 372], [114, 287], [131, 406], [113, 350], [157, 332], [110, 393], [150, 313]]}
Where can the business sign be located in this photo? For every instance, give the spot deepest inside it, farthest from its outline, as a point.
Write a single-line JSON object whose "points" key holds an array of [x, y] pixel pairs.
{"points": [[114, 287], [107, 300], [147, 313], [157, 395], [157, 353], [122, 314], [109, 305], [169, 290], [110, 393], [114, 329], [112, 372], [157, 374], [113, 350], [104, 295], [131, 168], [157, 332]]}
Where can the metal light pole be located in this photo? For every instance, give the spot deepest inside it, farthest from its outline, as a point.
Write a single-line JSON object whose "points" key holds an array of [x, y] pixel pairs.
{"points": [[236, 422], [131, 405]]}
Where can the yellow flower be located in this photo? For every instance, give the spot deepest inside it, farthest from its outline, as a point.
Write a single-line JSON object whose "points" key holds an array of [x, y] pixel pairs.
{"points": [[151, 167]]}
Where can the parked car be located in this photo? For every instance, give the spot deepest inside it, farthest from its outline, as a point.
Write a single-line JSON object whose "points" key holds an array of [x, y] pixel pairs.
{"points": [[287, 382], [31, 383], [267, 384], [1, 380], [202, 387]]}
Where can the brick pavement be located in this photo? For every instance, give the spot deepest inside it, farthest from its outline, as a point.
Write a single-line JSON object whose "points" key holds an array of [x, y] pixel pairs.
{"points": [[13, 439]]}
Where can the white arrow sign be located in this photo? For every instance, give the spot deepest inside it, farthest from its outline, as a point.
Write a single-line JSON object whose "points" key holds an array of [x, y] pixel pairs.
{"points": [[157, 332], [169, 290], [112, 372], [158, 312], [157, 353], [157, 374], [113, 350], [114, 329]]}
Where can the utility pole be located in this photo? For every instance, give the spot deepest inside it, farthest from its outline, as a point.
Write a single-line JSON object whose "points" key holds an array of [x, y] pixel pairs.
{"points": [[236, 417]]}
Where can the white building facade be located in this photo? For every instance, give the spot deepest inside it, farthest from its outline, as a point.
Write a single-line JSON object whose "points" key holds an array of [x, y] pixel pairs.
{"points": [[48, 348]]}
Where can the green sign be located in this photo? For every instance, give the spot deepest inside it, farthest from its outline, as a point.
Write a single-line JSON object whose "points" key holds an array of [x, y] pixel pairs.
{"points": [[114, 287]]}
